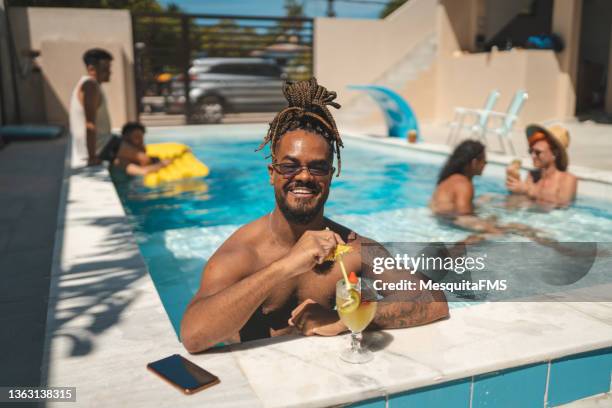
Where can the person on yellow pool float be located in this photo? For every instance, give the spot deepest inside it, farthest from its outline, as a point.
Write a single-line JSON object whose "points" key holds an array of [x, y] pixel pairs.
{"points": [[132, 157]]}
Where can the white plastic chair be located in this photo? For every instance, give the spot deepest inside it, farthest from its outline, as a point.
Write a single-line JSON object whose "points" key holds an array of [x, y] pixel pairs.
{"points": [[505, 121], [480, 117]]}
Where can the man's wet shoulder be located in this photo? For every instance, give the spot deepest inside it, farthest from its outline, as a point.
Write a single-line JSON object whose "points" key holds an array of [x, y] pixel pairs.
{"points": [[567, 176], [249, 234]]}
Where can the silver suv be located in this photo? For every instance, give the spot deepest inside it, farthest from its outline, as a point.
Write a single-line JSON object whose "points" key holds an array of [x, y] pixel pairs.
{"points": [[228, 85]]}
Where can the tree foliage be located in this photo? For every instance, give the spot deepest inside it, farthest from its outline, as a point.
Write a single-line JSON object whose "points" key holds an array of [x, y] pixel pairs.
{"points": [[229, 39]]}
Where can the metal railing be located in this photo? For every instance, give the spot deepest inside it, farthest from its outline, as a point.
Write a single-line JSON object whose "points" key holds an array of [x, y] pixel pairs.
{"points": [[167, 44]]}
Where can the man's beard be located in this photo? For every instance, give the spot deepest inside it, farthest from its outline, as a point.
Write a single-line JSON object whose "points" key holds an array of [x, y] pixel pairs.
{"points": [[302, 215]]}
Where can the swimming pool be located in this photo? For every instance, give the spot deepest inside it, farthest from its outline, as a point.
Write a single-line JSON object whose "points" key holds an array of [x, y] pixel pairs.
{"points": [[382, 193]]}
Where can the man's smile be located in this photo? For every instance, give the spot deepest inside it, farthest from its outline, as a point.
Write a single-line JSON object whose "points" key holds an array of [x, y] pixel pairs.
{"points": [[302, 192]]}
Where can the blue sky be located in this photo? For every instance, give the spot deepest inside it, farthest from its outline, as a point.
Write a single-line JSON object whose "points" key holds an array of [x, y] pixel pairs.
{"points": [[313, 8]]}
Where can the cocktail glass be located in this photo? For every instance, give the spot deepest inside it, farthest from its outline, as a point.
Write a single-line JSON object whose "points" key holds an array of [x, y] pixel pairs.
{"points": [[356, 305]]}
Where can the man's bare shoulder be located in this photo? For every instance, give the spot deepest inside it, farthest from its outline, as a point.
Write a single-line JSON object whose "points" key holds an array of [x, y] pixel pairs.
{"points": [[90, 87], [241, 247], [568, 177], [89, 95], [234, 260]]}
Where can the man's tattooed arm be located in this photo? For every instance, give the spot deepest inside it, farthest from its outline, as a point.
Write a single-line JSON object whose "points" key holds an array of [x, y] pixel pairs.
{"points": [[395, 314], [402, 308]]}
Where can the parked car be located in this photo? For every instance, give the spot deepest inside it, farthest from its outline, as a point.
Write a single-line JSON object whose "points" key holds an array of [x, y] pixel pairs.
{"points": [[228, 85]]}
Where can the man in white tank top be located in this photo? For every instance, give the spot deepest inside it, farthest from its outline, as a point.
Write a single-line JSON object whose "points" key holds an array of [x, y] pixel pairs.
{"points": [[90, 123]]}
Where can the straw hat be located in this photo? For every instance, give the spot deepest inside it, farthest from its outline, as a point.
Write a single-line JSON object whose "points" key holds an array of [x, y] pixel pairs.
{"points": [[557, 135]]}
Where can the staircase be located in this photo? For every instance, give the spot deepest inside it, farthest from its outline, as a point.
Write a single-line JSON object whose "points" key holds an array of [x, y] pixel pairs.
{"points": [[362, 108]]}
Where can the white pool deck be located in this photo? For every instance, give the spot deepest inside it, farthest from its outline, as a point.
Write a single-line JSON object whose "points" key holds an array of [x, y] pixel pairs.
{"points": [[106, 322]]}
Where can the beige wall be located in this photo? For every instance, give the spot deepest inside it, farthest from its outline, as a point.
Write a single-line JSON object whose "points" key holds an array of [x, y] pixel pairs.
{"points": [[466, 80], [348, 52], [360, 51], [59, 79], [457, 25], [421, 94], [353, 51], [62, 34]]}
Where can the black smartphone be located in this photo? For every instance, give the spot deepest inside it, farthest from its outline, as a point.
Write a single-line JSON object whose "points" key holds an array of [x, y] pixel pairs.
{"points": [[183, 374]]}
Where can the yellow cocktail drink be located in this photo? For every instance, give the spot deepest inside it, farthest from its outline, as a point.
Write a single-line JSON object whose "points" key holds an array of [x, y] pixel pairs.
{"points": [[358, 319], [356, 305]]}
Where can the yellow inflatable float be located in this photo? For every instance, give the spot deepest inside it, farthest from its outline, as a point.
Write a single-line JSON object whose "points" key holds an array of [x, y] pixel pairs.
{"points": [[184, 164]]}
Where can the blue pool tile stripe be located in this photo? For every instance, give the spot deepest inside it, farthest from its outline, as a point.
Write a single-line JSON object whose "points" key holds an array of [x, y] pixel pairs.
{"points": [[579, 376], [517, 387], [454, 394], [371, 403], [569, 379]]}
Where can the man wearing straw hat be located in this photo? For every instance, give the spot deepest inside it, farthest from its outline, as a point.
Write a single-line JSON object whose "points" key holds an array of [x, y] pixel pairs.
{"points": [[550, 183]]}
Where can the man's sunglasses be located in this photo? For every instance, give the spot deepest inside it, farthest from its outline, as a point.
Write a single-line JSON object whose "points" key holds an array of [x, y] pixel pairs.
{"points": [[289, 170]]}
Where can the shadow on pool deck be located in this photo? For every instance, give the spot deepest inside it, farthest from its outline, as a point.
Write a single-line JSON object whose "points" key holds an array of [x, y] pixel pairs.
{"points": [[96, 282], [96, 287], [30, 183], [97, 293]]}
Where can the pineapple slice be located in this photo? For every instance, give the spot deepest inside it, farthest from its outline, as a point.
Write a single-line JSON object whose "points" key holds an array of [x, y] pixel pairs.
{"points": [[339, 251]]}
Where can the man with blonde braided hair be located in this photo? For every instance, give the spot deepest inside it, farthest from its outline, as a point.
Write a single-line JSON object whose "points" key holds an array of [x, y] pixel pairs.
{"points": [[270, 277]]}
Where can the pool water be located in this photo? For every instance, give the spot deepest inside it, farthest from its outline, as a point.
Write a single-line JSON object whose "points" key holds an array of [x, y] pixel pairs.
{"points": [[382, 193]]}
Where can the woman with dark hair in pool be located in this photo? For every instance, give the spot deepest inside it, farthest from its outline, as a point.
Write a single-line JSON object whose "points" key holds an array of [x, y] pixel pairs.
{"points": [[455, 192]]}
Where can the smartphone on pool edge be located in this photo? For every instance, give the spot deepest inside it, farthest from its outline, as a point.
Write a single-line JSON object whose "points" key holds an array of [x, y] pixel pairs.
{"points": [[183, 374]]}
